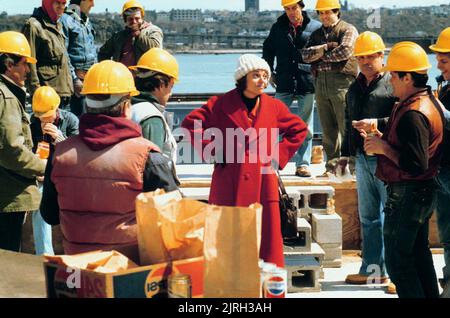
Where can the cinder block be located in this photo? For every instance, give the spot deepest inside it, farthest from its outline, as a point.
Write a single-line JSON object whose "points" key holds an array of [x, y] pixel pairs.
{"points": [[315, 200], [316, 251], [337, 263], [303, 273], [327, 229], [294, 194], [321, 273], [332, 251], [303, 241]]}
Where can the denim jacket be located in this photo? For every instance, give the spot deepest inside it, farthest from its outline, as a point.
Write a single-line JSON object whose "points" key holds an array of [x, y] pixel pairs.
{"points": [[79, 41]]}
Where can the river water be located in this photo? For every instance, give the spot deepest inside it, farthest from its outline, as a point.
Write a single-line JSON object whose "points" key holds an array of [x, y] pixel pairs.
{"points": [[214, 73]]}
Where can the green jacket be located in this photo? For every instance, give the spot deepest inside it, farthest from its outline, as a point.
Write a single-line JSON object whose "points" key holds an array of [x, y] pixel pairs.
{"points": [[47, 43], [150, 37], [18, 165]]}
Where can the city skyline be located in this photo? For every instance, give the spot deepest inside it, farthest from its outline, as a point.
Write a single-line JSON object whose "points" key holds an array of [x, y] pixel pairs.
{"points": [[26, 6]]}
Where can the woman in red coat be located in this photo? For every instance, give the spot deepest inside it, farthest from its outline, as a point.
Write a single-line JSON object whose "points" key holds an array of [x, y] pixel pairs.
{"points": [[253, 133]]}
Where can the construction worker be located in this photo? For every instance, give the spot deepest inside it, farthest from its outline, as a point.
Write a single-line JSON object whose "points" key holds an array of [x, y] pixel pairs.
{"points": [[127, 46], [292, 77], [442, 50], [329, 50], [49, 125], [155, 74], [19, 166], [92, 179], [80, 44], [409, 154], [369, 96], [44, 33]]}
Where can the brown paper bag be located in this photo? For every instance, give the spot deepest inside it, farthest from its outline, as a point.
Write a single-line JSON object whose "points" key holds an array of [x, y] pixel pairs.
{"points": [[182, 227], [151, 245], [231, 249], [169, 228]]}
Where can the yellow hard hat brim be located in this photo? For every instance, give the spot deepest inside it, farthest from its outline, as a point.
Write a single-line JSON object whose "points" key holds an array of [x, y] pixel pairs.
{"points": [[438, 49], [31, 60], [386, 68], [327, 8], [368, 53], [45, 114], [137, 67]]}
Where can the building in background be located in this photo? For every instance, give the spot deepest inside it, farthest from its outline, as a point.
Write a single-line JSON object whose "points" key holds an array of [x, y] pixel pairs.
{"points": [[186, 15], [252, 5]]}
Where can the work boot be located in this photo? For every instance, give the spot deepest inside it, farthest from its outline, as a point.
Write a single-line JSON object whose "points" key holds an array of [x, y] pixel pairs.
{"points": [[317, 155], [303, 172], [358, 279], [391, 289]]}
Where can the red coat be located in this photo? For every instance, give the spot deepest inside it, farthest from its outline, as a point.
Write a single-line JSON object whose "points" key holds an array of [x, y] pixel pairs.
{"points": [[241, 184]]}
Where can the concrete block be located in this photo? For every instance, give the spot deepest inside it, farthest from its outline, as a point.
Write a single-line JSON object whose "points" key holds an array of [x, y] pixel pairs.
{"points": [[327, 228], [316, 251], [303, 241], [332, 251], [336, 263], [303, 273], [294, 194]]}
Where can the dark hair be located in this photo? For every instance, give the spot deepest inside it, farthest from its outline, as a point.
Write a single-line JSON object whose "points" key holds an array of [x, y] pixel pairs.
{"points": [[334, 10], [301, 4], [420, 80], [152, 83], [241, 84], [116, 110], [6, 59], [75, 2]]}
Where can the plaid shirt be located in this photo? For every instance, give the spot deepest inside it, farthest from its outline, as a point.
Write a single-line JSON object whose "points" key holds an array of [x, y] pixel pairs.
{"points": [[318, 53]]}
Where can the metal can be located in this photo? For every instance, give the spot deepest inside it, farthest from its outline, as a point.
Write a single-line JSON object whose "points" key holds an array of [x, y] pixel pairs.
{"points": [[275, 283], [179, 286], [265, 269]]}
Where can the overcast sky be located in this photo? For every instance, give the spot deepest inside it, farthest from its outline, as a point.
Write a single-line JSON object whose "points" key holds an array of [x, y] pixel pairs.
{"points": [[26, 6]]}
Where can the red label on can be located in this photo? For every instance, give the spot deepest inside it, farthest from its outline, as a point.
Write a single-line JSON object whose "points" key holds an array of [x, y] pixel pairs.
{"points": [[275, 287]]}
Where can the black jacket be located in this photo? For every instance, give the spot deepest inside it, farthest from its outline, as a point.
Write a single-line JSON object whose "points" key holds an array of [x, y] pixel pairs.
{"points": [[291, 73], [375, 101]]}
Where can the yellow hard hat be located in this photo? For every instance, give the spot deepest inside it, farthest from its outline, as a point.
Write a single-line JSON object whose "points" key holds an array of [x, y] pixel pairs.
{"points": [[443, 42], [368, 43], [158, 60], [133, 4], [109, 77], [45, 101], [16, 43], [287, 3], [324, 5], [407, 57]]}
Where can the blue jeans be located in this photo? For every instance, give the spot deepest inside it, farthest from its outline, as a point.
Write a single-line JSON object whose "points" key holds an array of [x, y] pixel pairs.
{"points": [[306, 113], [42, 232], [409, 262], [443, 216], [371, 201]]}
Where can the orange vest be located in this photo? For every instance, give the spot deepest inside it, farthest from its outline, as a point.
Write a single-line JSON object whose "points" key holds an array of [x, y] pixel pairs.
{"points": [[387, 170], [96, 194]]}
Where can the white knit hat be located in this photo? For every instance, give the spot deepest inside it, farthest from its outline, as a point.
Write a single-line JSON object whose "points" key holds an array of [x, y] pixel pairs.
{"points": [[248, 63]]}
